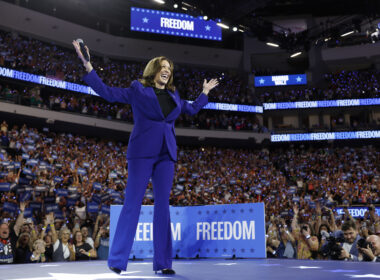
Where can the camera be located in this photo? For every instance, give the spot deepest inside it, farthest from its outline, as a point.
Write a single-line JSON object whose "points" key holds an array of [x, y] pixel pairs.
{"points": [[332, 247], [362, 243]]}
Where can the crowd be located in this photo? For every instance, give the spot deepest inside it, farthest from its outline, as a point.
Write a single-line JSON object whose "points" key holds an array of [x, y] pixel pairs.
{"points": [[48, 59], [97, 107], [57, 189]]}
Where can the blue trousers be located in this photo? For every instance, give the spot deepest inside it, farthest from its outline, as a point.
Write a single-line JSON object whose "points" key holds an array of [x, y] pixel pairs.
{"points": [[140, 170]]}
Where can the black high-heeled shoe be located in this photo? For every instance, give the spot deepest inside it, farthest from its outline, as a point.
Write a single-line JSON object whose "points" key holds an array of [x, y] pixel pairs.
{"points": [[115, 269], [168, 271]]}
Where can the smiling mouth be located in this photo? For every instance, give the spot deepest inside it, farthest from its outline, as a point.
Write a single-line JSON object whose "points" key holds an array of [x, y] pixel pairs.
{"points": [[165, 76]]}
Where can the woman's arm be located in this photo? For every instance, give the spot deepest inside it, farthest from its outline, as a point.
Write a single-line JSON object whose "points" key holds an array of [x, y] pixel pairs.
{"points": [[202, 100], [111, 94]]}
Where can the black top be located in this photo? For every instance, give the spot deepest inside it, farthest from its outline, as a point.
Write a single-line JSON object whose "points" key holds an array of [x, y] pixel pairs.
{"points": [[166, 102], [79, 256]]}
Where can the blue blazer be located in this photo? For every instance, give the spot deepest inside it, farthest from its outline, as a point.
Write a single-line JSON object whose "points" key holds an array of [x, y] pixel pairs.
{"points": [[151, 129]]}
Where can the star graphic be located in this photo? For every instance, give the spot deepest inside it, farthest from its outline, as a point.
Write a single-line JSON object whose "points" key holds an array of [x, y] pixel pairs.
{"points": [[261, 81], [299, 79], [145, 20], [208, 27], [364, 276]]}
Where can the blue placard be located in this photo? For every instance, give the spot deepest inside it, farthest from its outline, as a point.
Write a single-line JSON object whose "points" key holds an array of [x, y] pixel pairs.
{"points": [[280, 80], [92, 207], [174, 24], [5, 187], [62, 192], [356, 212], [207, 231], [369, 134]]}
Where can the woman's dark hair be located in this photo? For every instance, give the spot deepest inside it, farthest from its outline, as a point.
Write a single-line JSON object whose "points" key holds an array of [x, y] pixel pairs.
{"points": [[151, 70]]}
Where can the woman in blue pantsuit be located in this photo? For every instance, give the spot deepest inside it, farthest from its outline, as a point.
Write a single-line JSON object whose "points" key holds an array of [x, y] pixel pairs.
{"points": [[151, 153]]}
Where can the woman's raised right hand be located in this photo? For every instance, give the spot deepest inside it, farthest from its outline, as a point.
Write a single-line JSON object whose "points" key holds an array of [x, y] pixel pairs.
{"points": [[86, 63]]}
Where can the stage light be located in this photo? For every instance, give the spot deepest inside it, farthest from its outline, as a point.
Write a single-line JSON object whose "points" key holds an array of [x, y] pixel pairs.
{"points": [[184, 8], [241, 30], [222, 25], [159, 1], [346, 34], [296, 54], [327, 39], [234, 29], [272, 44], [175, 6], [205, 17]]}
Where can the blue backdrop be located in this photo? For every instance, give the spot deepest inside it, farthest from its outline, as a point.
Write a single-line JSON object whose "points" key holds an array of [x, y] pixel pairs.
{"points": [[207, 231]]}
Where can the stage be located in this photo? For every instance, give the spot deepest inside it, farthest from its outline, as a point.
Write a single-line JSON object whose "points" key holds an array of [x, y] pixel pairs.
{"points": [[207, 269]]}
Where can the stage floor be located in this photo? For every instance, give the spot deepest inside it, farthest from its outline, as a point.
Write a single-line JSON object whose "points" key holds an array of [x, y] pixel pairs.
{"points": [[209, 269]]}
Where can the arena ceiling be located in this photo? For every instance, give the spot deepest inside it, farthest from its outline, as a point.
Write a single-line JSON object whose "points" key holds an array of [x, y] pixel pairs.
{"points": [[256, 16]]}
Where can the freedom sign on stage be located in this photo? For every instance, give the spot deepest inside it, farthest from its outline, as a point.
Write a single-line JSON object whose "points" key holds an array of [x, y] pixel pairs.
{"points": [[204, 231]]}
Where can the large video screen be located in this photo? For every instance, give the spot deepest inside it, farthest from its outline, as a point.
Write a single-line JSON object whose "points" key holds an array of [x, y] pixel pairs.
{"points": [[281, 80], [174, 24]]}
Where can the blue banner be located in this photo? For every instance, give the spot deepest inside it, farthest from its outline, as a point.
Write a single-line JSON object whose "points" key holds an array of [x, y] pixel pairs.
{"points": [[174, 24], [369, 134], [356, 212], [281, 80], [322, 104], [207, 231]]}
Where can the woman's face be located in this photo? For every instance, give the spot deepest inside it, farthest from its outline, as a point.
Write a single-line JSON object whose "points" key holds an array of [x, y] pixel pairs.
{"points": [[78, 236], [40, 247], [48, 240], [163, 76], [65, 236], [24, 239]]}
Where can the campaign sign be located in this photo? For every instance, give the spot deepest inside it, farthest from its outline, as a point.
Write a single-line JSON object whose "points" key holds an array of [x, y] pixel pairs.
{"points": [[174, 24], [356, 212], [207, 231], [281, 80]]}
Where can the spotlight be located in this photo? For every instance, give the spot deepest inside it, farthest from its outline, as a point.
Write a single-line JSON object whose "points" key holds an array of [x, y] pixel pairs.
{"points": [[272, 44], [346, 34], [234, 29], [184, 8], [222, 25], [175, 6], [205, 17], [296, 54], [159, 1]]}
